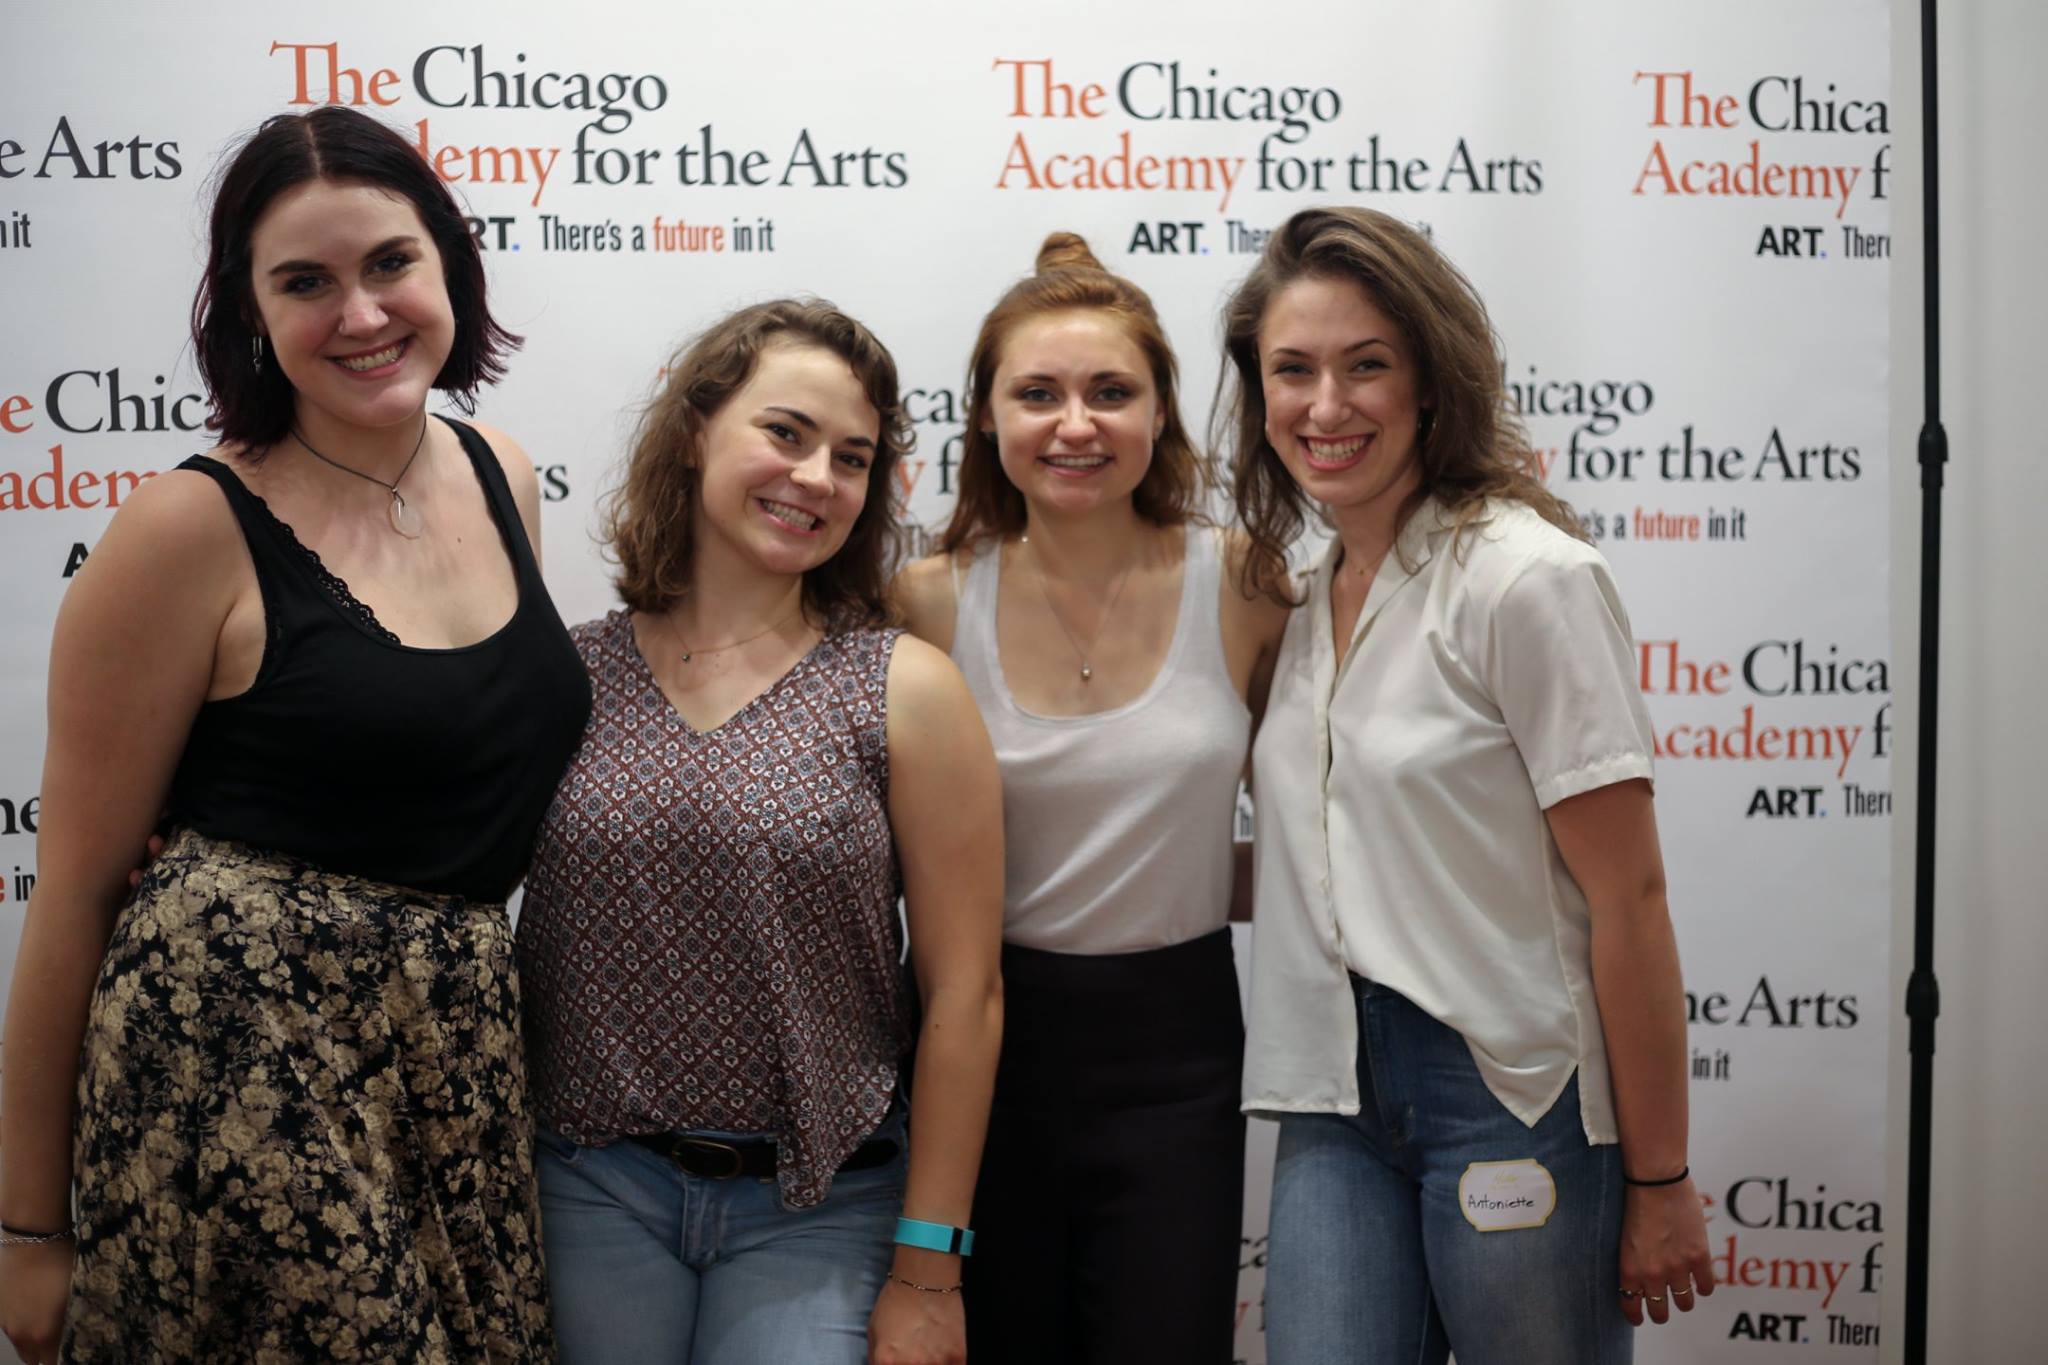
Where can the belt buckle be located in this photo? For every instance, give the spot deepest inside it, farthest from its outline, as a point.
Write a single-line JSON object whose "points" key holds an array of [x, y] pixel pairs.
{"points": [[714, 1146]]}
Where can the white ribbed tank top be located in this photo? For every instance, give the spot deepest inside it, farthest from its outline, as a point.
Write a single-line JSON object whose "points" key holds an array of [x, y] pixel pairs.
{"points": [[1116, 825]]}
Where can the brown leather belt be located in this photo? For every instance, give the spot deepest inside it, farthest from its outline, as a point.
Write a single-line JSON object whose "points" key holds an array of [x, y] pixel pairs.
{"points": [[728, 1159]]}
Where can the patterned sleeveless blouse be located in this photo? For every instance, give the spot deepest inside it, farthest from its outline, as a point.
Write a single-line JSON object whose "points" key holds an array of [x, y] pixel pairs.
{"points": [[710, 937]]}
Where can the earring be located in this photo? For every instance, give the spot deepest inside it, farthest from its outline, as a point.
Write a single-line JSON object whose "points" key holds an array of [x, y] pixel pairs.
{"points": [[1425, 424], [256, 354]]}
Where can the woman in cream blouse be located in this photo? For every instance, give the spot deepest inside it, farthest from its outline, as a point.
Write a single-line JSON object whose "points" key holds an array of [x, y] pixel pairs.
{"points": [[1466, 1010]]}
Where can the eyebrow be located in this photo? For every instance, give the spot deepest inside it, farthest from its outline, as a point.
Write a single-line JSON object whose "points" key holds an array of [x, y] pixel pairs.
{"points": [[1099, 374], [1354, 346], [388, 244], [804, 420]]}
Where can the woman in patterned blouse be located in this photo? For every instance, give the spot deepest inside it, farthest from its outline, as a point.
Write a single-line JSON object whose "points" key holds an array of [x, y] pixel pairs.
{"points": [[719, 1018]]}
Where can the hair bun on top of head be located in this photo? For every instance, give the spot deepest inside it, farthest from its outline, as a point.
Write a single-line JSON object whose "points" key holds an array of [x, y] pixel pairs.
{"points": [[1066, 251]]}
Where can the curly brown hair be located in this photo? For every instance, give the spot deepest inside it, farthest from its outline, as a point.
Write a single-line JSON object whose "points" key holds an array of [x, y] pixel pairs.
{"points": [[1474, 447], [1068, 278], [647, 518]]}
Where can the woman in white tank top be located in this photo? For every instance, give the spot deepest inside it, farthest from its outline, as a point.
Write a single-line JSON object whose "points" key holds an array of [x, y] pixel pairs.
{"points": [[1118, 667]]}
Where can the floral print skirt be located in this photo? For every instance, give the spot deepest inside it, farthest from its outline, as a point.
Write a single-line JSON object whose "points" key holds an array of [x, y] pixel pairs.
{"points": [[302, 1128]]}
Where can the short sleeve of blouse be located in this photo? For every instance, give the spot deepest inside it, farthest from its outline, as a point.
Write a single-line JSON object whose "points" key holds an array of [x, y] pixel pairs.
{"points": [[1560, 663]]}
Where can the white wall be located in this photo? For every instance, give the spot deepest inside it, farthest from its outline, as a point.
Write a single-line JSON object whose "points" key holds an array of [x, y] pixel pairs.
{"points": [[1989, 1263]]}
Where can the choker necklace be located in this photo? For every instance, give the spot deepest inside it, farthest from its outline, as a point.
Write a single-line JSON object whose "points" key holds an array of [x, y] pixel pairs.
{"points": [[689, 653], [1087, 669], [405, 518]]}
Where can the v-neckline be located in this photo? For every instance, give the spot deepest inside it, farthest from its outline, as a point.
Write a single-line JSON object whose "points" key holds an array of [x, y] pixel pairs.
{"points": [[689, 727], [1402, 563]]}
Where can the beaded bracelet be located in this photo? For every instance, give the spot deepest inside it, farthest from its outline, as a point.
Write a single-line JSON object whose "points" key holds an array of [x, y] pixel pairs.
{"points": [[22, 1237], [927, 1288]]}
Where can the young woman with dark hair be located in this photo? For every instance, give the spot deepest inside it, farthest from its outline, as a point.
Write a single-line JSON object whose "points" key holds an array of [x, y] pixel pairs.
{"points": [[1465, 1011], [326, 650], [1119, 667], [720, 1019]]}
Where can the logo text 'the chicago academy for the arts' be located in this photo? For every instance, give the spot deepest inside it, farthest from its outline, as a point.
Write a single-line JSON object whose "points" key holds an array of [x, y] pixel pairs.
{"points": [[1284, 117], [452, 76], [1682, 108]]}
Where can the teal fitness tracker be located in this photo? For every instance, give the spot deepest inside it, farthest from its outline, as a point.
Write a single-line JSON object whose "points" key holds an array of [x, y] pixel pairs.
{"points": [[910, 1232]]}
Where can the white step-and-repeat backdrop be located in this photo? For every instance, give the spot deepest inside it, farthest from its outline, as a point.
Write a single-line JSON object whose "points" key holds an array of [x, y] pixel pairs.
{"points": [[1678, 215]]}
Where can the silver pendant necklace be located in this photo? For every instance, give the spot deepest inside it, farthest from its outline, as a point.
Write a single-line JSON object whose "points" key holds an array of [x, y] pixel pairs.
{"points": [[1087, 668], [405, 518]]}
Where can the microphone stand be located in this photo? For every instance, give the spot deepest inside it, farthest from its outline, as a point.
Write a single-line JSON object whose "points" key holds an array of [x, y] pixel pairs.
{"points": [[1923, 993]]}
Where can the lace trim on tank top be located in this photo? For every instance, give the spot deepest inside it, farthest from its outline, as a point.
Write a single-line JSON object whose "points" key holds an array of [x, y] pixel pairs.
{"points": [[336, 588]]}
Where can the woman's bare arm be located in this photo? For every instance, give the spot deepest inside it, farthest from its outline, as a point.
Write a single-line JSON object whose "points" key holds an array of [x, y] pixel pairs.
{"points": [[945, 806]]}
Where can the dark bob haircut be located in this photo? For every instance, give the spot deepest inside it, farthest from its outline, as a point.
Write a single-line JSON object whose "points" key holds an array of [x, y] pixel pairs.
{"points": [[252, 407]]}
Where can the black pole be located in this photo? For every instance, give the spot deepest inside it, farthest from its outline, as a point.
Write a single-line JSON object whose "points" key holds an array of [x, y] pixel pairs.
{"points": [[1923, 994]]}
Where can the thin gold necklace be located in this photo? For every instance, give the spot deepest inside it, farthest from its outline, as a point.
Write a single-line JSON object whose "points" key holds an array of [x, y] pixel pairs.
{"points": [[689, 653], [1087, 668]]}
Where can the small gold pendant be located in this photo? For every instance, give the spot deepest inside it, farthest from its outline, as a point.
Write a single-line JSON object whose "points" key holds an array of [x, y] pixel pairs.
{"points": [[1086, 673]]}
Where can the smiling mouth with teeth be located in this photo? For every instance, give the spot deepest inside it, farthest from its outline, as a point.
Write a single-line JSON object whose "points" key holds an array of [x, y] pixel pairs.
{"points": [[1076, 461], [374, 360], [1329, 454], [793, 517]]}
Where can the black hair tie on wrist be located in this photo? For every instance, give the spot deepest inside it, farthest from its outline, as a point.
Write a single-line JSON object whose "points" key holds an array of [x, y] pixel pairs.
{"points": [[1628, 1179]]}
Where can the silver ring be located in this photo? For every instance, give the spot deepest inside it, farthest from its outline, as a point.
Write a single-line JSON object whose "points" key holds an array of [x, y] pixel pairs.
{"points": [[1630, 1293], [1678, 1289], [1653, 1298]]}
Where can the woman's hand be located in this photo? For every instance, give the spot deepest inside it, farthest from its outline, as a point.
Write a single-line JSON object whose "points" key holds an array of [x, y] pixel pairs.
{"points": [[1664, 1260], [916, 1327], [150, 852], [35, 1282]]}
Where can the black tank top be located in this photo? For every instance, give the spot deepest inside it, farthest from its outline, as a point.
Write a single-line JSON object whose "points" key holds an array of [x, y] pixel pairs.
{"points": [[425, 768]]}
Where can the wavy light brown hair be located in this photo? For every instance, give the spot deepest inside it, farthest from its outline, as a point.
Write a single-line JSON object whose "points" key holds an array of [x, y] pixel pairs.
{"points": [[648, 517], [1473, 447], [1068, 279]]}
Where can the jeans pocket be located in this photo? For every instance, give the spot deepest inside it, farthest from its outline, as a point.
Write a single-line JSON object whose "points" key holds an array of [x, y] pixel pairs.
{"points": [[559, 1147], [883, 1182]]}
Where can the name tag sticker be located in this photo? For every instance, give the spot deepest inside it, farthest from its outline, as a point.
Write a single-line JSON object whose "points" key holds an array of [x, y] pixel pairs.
{"points": [[1497, 1196]]}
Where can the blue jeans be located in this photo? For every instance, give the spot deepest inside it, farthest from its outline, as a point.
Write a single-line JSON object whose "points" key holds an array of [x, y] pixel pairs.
{"points": [[649, 1266], [1374, 1259]]}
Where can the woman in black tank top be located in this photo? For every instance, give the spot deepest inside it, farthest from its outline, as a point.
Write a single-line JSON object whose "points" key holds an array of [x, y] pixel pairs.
{"points": [[327, 652]]}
